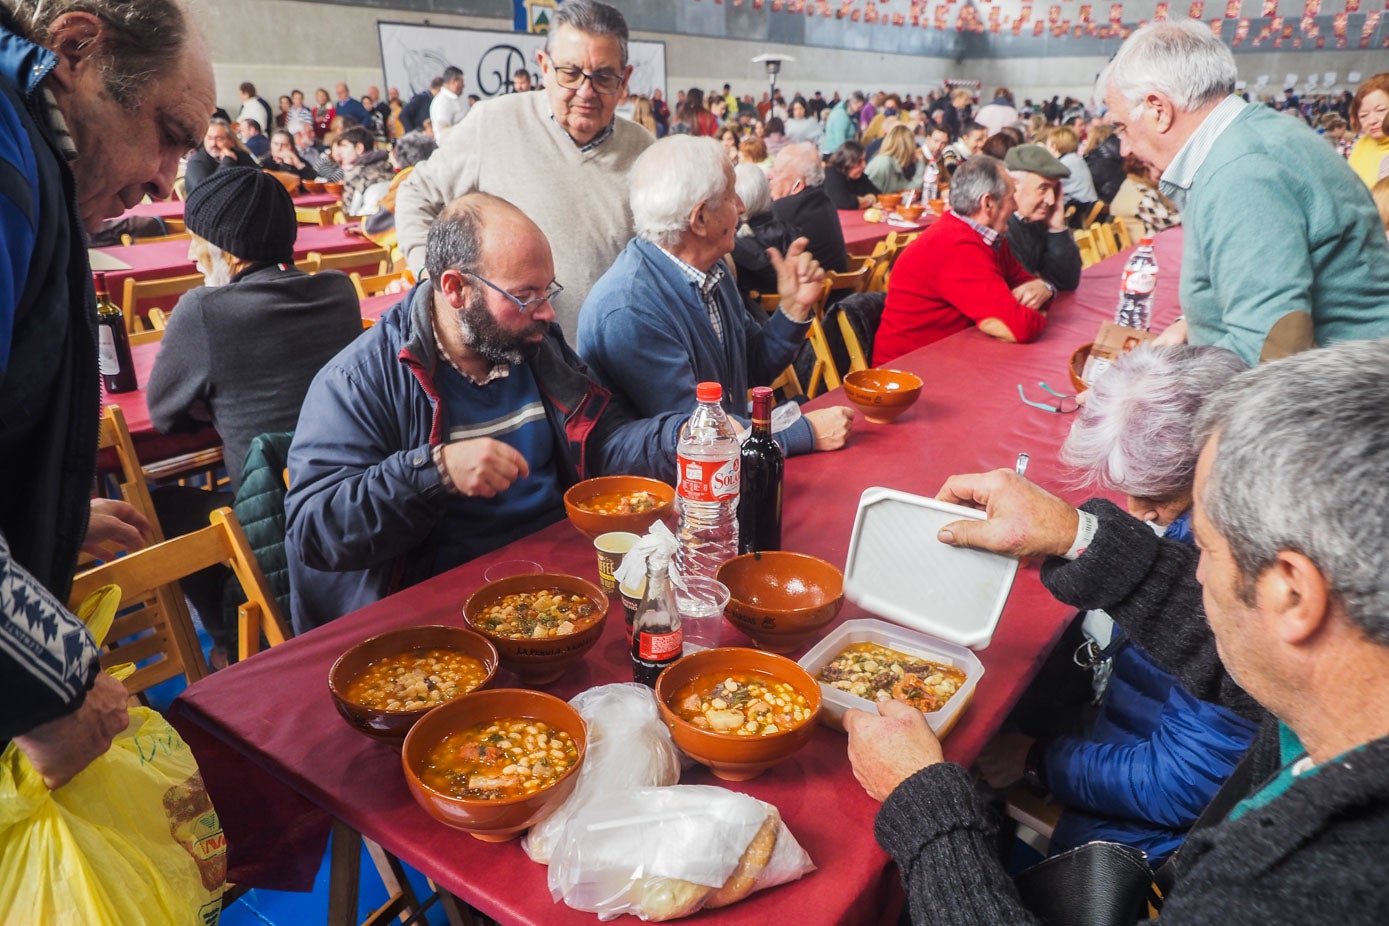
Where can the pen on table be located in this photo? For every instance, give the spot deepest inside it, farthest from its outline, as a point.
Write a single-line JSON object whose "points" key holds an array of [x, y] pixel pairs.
{"points": [[1021, 465]]}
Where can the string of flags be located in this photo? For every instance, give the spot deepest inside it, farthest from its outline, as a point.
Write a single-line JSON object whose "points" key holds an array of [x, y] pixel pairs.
{"points": [[1076, 20]]}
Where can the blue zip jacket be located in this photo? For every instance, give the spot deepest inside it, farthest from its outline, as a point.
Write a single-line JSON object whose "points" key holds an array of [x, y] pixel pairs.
{"points": [[364, 496], [1153, 761]]}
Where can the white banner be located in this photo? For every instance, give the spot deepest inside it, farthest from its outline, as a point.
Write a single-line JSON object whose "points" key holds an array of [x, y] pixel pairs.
{"points": [[412, 55]]}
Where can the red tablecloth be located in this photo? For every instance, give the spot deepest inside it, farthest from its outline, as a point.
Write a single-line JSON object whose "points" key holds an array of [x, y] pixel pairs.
{"points": [[374, 307], [173, 208], [278, 760], [860, 237], [162, 259]]}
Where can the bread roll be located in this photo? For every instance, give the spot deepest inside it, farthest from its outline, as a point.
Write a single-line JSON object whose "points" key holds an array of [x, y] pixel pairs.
{"points": [[755, 858], [659, 899]]}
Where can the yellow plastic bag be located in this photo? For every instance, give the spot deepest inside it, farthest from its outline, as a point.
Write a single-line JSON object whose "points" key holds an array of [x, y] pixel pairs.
{"points": [[132, 839]]}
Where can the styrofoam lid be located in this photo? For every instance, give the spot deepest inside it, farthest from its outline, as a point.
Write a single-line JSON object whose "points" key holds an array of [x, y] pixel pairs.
{"points": [[898, 570]]}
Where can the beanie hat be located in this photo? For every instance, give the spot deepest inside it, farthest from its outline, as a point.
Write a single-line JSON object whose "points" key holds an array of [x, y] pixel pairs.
{"points": [[245, 212]]}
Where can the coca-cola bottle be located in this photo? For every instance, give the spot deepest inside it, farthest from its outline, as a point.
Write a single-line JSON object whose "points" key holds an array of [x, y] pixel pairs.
{"points": [[656, 637], [759, 499], [113, 346]]}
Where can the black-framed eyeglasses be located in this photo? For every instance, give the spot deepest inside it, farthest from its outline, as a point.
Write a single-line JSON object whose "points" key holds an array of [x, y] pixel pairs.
{"points": [[572, 78], [524, 306], [1060, 403]]}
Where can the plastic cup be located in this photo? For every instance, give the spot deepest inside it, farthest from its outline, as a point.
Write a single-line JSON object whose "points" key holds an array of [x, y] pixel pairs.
{"points": [[511, 567], [611, 547], [701, 602]]}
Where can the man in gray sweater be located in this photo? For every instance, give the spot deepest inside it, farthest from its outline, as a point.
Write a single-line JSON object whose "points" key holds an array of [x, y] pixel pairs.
{"points": [[1285, 618], [561, 156]]}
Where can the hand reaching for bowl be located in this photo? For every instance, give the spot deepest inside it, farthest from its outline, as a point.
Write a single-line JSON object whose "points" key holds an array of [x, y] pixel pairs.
{"points": [[483, 467]]}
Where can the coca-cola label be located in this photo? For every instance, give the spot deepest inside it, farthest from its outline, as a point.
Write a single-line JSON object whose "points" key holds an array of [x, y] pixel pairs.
{"points": [[107, 360], [709, 480], [1140, 282], [658, 647]]}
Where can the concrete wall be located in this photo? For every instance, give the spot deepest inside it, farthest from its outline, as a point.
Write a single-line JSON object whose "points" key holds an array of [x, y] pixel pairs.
{"points": [[282, 44]]}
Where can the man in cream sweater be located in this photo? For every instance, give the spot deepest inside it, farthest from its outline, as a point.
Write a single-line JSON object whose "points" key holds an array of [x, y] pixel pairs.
{"points": [[561, 157]]}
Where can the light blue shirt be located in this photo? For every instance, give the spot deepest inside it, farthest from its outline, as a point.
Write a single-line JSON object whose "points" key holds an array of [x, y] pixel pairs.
{"points": [[1177, 178]]}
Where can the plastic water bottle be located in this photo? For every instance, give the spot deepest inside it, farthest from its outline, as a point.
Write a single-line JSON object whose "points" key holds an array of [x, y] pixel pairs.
{"points": [[706, 491], [930, 184], [1136, 295]]}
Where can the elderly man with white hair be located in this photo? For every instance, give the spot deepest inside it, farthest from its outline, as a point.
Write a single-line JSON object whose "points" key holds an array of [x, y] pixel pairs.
{"points": [[1283, 250], [667, 316], [798, 199]]}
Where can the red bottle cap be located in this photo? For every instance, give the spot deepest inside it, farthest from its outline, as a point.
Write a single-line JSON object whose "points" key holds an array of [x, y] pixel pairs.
{"points": [[709, 392]]}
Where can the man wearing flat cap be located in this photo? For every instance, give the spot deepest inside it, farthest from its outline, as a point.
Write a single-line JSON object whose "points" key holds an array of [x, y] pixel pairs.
{"points": [[241, 351], [1037, 231]]}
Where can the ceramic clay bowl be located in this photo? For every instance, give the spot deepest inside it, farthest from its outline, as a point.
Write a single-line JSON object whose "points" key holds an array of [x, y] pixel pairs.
{"points": [[496, 819], [781, 599], [580, 497], [730, 756], [882, 395], [539, 660], [387, 725]]}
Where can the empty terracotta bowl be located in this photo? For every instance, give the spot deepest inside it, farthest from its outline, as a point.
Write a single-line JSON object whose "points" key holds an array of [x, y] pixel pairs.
{"points": [[882, 395], [539, 660], [781, 599], [597, 506], [392, 725], [911, 213], [1077, 366], [333, 188], [313, 186], [937, 206], [501, 818], [730, 756], [889, 200]]}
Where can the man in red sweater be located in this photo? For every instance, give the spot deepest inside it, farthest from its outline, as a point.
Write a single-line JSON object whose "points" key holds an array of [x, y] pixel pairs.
{"points": [[960, 272]]}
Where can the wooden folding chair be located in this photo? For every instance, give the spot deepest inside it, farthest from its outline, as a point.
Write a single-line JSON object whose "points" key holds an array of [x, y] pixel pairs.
{"points": [[857, 359], [155, 239], [320, 215], [1089, 253], [138, 292], [854, 264], [877, 283], [166, 642], [1105, 242], [368, 286], [175, 225], [346, 260], [1094, 214], [852, 281], [1121, 234], [156, 321], [130, 477]]}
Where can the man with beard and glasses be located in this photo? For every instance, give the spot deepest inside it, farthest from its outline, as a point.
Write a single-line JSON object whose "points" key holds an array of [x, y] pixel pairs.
{"points": [[454, 425], [241, 351]]}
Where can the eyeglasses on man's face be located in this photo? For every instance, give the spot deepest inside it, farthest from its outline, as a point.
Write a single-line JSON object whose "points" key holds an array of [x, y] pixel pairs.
{"points": [[572, 78], [525, 306]]}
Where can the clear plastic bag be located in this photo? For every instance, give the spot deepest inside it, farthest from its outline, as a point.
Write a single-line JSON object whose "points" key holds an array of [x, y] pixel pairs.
{"points": [[629, 747], [665, 853]]}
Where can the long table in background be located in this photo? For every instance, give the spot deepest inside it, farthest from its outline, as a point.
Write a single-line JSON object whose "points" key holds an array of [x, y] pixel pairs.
{"points": [[173, 208], [280, 763], [860, 237]]}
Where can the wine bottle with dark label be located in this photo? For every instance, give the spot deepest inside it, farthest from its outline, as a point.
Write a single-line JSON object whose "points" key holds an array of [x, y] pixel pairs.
{"points": [[113, 346], [759, 500]]}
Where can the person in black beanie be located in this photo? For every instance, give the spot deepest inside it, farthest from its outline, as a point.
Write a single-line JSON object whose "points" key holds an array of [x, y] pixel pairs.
{"points": [[240, 352]]}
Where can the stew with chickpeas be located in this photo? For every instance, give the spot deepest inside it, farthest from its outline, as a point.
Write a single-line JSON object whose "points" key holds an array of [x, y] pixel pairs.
{"points": [[620, 503], [876, 673], [418, 678], [500, 759], [742, 705], [549, 612]]}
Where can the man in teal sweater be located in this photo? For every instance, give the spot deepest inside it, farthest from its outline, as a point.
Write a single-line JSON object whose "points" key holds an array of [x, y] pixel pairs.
{"points": [[1283, 251]]}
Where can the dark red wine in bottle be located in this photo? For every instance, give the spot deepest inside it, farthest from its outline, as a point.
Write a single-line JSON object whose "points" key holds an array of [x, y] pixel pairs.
{"points": [[113, 346], [759, 499]]}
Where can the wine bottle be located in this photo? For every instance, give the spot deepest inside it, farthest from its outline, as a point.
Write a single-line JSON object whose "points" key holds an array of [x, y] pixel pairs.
{"points": [[759, 500], [656, 637], [113, 346]]}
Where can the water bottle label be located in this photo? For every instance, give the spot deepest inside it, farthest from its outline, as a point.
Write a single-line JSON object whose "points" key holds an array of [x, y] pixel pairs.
{"points": [[107, 360], [708, 480], [658, 647], [1140, 282]]}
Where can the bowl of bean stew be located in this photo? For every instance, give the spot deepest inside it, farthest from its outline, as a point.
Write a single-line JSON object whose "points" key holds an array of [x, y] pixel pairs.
{"points": [[540, 624]]}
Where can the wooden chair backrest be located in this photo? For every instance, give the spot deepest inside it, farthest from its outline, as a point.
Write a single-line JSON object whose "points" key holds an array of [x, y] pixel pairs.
{"points": [[852, 281], [155, 239], [346, 260], [1089, 253], [166, 643], [1121, 234], [375, 285], [1095, 212], [877, 283], [1105, 241], [139, 291]]}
